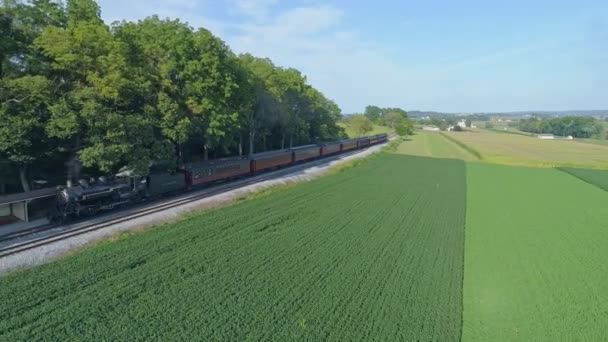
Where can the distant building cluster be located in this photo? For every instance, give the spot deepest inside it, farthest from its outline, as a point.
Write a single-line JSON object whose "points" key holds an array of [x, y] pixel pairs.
{"points": [[551, 137]]}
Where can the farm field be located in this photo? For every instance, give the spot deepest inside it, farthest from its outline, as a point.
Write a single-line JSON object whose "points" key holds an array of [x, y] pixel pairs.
{"points": [[535, 260], [373, 252], [602, 142], [514, 149], [598, 178], [433, 144]]}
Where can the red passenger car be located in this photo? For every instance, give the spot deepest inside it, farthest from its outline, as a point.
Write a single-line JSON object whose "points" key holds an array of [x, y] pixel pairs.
{"points": [[268, 160], [305, 152], [203, 172], [330, 148], [348, 144]]}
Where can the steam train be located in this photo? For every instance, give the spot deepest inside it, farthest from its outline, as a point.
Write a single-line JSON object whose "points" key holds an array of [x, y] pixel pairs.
{"points": [[94, 196]]}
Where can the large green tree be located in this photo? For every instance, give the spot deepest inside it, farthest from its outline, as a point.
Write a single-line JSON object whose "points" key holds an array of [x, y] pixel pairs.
{"points": [[96, 116], [25, 88], [360, 124], [374, 113], [76, 91], [263, 104]]}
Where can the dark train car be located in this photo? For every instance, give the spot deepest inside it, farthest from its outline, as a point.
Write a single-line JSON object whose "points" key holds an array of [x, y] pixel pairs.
{"points": [[348, 144], [382, 137], [307, 152], [373, 139], [363, 142], [203, 172], [271, 159], [165, 183], [330, 148]]}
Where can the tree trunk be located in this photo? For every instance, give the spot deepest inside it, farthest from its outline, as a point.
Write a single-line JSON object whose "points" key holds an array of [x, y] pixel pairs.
{"points": [[291, 140], [23, 177], [251, 140], [205, 152], [240, 145], [283, 141], [180, 157], [2, 188]]}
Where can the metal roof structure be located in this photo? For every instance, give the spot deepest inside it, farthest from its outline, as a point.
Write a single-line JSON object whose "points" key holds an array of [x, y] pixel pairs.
{"points": [[26, 196]]}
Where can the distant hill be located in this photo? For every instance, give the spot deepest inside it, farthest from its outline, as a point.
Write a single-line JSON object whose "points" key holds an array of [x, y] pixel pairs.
{"points": [[602, 113], [561, 113]]}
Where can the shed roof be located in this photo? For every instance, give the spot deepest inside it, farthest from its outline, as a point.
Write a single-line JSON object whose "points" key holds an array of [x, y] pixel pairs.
{"points": [[25, 196]]}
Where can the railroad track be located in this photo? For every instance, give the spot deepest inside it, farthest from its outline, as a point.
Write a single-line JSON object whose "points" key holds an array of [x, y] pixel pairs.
{"points": [[120, 217]]}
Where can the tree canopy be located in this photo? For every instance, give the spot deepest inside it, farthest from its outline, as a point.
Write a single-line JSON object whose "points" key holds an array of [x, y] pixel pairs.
{"points": [[360, 124], [93, 98], [576, 126], [385, 116]]}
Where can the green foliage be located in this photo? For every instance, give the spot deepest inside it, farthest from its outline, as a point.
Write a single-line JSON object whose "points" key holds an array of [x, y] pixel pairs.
{"points": [[576, 126], [385, 116], [405, 127], [23, 112], [373, 113], [136, 93], [489, 125], [350, 256], [359, 124]]}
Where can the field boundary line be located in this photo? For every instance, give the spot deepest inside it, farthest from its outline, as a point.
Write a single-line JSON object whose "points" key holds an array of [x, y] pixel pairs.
{"points": [[463, 145], [464, 247], [566, 171], [522, 133]]}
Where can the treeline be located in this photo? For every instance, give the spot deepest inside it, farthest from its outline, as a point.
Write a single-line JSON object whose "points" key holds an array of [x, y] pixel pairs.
{"points": [[394, 118], [576, 126], [385, 116], [78, 96]]}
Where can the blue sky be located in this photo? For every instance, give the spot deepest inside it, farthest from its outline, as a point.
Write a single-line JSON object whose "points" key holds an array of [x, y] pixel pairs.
{"points": [[454, 56]]}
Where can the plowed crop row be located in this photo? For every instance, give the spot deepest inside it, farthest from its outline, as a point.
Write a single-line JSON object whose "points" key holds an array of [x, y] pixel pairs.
{"points": [[371, 253]]}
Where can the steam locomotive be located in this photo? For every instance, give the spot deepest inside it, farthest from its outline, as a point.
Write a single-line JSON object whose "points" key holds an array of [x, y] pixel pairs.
{"points": [[103, 194]]}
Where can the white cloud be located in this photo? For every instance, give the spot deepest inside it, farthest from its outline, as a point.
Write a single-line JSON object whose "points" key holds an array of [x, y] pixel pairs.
{"points": [[310, 37], [313, 39], [258, 9]]}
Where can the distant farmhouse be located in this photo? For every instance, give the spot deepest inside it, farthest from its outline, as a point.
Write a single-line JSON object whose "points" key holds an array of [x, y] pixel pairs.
{"points": [[551, 136], [430, 128]]}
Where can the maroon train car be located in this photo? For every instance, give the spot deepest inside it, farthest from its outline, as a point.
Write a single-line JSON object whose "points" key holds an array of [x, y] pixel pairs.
{"points": [[268, 160], [363, 142], [349, 144], [330, 148], [307, 152], [204, 172]]}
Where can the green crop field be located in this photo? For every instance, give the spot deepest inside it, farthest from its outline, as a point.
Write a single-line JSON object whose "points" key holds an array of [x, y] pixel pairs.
{"points": [[519, 150], [433, 144], [371, 253], [376, 252], [598, 178], [535, 261]]}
